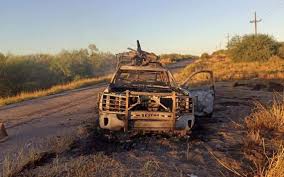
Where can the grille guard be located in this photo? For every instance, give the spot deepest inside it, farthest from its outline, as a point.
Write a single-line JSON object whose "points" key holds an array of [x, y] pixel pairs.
{"points": [[113, 103]]}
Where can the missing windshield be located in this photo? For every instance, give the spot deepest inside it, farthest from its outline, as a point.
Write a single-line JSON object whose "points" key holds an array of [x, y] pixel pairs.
{"points": [[147, 78]]}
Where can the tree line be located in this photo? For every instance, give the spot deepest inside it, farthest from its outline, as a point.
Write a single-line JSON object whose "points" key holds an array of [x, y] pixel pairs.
{"points": [[25, 73]]}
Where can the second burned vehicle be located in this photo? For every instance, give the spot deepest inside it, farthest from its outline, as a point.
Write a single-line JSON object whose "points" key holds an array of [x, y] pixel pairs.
{"points": [[143, 96]]}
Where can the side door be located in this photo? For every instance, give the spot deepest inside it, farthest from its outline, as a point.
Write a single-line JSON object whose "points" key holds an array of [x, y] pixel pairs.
{"points": [[201, 87]]}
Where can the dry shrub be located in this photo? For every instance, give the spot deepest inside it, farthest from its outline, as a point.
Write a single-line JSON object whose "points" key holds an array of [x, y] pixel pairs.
{"points": [[14, 163], [60, 144], [263, 146], [271, 119], [252, 47], [276, 165], [264, 141], [254, 137]]}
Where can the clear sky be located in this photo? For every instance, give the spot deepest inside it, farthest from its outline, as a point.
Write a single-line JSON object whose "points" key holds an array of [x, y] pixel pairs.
{"points": [[162, 26]]}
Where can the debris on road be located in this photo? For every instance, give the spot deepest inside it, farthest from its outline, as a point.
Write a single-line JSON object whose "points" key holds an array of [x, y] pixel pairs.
{"points": [[3, 132]]}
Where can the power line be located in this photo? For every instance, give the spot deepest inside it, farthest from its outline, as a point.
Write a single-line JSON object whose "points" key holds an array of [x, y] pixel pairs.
{"points": [[255, 21]]}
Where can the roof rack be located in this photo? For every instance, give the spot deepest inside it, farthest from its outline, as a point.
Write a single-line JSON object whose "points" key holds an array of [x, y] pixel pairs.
{"points": [[138, 58]]}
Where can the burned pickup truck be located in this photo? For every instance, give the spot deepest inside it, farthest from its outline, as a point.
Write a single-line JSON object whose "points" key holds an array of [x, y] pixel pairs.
{"points": [[143, 96]]}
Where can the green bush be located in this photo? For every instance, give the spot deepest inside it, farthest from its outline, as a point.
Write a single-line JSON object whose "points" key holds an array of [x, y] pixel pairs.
{"points": [[252, 48], [219, 53], [205, 56]]}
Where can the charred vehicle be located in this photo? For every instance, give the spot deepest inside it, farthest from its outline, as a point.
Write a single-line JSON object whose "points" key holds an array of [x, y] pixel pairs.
{"points": [[143, 96]]}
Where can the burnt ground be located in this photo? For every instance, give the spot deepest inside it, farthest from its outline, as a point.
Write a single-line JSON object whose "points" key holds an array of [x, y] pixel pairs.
{"points": [[214, 141]]}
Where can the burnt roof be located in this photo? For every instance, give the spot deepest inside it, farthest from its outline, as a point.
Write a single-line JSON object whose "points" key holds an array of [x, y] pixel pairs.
{"points": [[144, 68]]}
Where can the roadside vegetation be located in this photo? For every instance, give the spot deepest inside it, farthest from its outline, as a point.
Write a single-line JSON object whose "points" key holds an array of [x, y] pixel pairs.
{"points": [[247, 57], [264, 143], [173, 58], [30, 73], [225, 69], [257, 59], [253, 48], [24, 77], [54, 90]]}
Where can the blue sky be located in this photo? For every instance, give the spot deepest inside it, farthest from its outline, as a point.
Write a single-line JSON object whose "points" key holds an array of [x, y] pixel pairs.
{"points": [[162, 26]]}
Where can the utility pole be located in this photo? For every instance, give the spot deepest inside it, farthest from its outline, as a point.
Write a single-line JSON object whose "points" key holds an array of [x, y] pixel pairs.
{"points": [[255, 21], [228, 40]]}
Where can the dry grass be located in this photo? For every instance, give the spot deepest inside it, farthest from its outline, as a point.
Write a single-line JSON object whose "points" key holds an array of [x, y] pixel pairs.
{"points": [[13, 163], [97, 164], [225, 69], [53, 90], [85, 166], [263, 144], [61, 157], [267, 118], [276, 165], [264, 141], [30, 156]]}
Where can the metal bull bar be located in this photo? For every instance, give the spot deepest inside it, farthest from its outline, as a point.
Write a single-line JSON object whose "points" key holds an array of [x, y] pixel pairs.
{"points": [[143, 119]]}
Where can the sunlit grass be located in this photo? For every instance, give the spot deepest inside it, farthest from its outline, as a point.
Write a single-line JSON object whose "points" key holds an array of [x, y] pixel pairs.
{"points": [[265, 128], [225, 69], [276, 165], [53, 90]]}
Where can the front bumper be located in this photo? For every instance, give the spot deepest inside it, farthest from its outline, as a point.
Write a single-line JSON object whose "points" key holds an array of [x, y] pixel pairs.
{"points": [[159, 121], [119, 112]]}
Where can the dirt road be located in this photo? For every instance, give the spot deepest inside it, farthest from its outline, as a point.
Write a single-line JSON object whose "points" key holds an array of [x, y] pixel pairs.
{"points": [[35, 121]]}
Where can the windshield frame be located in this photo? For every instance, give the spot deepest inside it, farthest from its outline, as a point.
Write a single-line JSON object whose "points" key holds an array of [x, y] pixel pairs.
{"points": [[169, 84]]}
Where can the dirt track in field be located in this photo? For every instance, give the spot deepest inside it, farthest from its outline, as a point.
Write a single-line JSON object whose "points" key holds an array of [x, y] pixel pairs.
{"points": [[216, 138]]}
